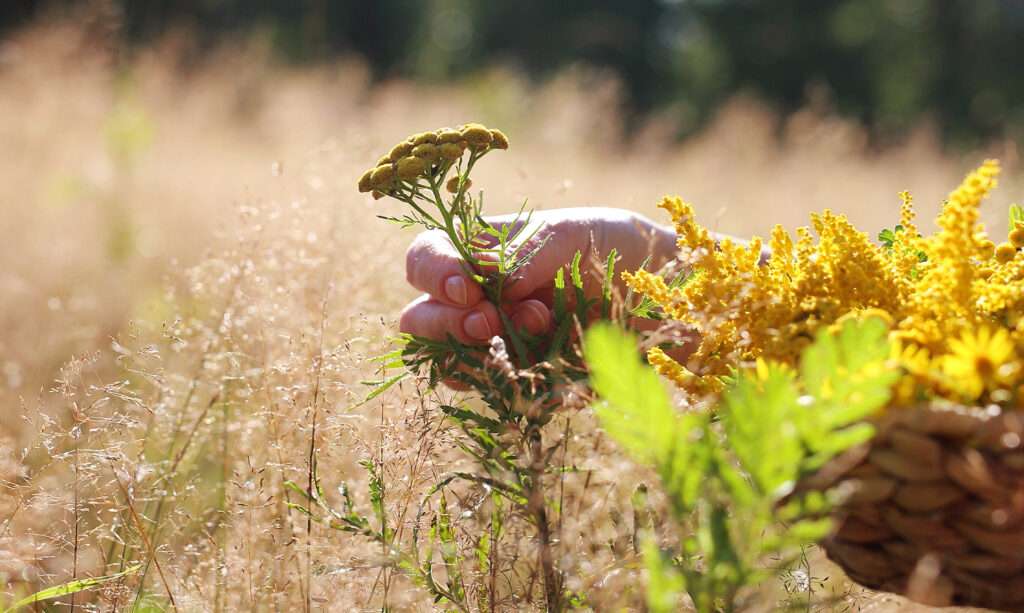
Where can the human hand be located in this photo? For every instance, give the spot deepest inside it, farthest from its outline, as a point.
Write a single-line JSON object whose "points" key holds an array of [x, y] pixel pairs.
{"points": [[454, 302]]}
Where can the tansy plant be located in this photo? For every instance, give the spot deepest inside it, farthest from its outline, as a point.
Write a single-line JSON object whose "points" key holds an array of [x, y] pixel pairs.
{"points": [[953, 300], [430, 173], [520, 379]]}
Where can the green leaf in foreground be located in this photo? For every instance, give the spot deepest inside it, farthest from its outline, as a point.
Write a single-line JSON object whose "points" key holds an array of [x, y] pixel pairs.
{"points": [[727, 482], [1016, 214], [69, 588], [635, 407]]}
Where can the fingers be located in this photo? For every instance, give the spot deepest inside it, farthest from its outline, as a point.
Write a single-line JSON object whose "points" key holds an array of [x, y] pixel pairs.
{"points": [[431, 318], [558, 244], [532, 315], [432, 265]]}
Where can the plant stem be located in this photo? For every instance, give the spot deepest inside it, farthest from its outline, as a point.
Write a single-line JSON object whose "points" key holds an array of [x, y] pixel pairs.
{"points": [[142, 533], [311, 472], [538, 508]]}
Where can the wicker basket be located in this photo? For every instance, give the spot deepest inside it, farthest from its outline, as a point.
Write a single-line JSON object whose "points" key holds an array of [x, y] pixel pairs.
{"points": [[935, 508]]}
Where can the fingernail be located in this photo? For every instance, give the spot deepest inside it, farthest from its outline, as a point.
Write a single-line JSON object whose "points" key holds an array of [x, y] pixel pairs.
{"points": [[456, 290], [529, 316], [476, 326]]}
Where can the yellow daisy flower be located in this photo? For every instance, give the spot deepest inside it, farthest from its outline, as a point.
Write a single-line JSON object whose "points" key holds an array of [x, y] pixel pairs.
{"points": [[980, 360]]}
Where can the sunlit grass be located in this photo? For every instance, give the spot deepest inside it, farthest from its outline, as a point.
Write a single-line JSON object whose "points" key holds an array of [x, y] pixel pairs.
{"points": [[190, 276]]}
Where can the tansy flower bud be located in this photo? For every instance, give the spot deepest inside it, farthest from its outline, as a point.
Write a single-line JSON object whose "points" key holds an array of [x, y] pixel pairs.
{"points": [[365, 184], [410, 167], [1017, 237], [424, 138], [427, 151], [382, 175], [476, 134], [401, 150], [377, 195], [451, 151], [1005, 252], [453, 184], [447, 135], [499, 140], [387, 159]]}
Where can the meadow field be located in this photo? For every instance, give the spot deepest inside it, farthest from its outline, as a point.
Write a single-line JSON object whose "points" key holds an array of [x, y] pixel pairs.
{"points": [[193, 290]]}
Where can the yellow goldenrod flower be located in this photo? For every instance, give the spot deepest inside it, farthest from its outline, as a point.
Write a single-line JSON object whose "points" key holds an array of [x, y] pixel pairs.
{"points": [[927, 289], [1005, 252], [988, 249], [864, 314], [669, 368]]}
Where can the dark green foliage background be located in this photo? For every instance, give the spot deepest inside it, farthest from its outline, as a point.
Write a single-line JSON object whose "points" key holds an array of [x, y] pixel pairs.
{"points": [[890, 63]]}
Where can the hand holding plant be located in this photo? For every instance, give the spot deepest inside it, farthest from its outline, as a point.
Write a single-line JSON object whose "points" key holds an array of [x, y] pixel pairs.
{"points": [[452, 295], [497, 270]]}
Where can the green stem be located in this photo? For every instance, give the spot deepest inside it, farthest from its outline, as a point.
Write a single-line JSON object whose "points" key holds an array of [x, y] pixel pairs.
{"points": [[449, 223], [409, 200]]}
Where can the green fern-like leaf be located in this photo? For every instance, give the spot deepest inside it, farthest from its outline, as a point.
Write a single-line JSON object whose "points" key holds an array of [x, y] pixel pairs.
{"points": [[635, 408]]}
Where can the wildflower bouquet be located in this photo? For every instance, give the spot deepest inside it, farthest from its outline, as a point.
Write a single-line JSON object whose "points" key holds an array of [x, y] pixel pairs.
{"points": [[935, 503], [430, 173], [518, 378]]}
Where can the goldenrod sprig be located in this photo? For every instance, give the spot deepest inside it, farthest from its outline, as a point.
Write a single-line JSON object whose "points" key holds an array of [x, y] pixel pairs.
{"points": [[953, 300]]}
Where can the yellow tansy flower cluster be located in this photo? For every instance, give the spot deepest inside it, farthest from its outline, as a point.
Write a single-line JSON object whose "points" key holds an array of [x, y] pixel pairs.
{"points": [[428, 154], [953, 300]]}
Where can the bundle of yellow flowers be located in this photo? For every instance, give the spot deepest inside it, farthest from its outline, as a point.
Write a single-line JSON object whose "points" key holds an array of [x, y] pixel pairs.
{"points": [[935, 502], [953, 300]]}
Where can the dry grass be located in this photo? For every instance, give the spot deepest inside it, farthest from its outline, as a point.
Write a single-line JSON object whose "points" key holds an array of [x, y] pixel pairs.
{"points": [[196, 240]]}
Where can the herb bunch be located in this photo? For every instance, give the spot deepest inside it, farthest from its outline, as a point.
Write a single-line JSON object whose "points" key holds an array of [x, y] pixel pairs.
{"points": [[519, 379], [953, 300]]}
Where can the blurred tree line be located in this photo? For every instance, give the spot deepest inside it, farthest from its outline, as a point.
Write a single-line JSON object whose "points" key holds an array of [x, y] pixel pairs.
{"points": [[890, 63]]}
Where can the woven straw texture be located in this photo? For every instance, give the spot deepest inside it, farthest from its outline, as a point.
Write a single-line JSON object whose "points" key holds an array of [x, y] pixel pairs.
{"points": [[935, 507]]}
